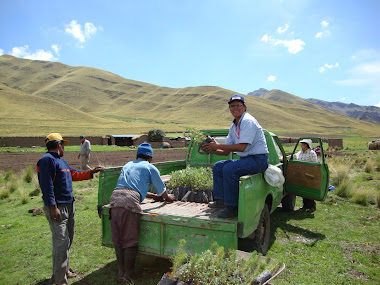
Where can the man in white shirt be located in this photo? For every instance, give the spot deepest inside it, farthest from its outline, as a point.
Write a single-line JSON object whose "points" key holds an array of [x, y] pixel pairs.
{"points": [[84, 153]]}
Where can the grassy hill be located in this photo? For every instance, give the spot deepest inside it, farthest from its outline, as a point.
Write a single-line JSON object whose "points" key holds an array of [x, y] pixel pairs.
{"points": [[39, 97]]}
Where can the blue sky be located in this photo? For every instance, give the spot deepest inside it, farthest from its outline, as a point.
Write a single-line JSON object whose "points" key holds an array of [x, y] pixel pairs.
{"points": [[322, 49]]}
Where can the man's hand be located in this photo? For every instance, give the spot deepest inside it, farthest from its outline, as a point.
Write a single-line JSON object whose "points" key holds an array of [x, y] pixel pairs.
{"points": [[86, 155], [55, 213], [168, 197], [97, 169], [78, 156], [209, 147]]}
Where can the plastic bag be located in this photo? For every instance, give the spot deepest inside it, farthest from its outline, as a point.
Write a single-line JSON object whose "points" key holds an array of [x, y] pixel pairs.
{"points": [[273, 176]]}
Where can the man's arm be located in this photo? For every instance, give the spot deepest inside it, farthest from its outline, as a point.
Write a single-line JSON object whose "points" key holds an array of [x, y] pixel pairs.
{"points": [[164, 195], [78, 175]]}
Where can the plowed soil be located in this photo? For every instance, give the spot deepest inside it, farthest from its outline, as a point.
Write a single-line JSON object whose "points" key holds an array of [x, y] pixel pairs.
{"points": [[20, 161]]}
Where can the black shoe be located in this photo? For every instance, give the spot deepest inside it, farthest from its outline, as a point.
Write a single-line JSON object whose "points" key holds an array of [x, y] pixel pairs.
{"points": [[228, 212], [216, 204]]}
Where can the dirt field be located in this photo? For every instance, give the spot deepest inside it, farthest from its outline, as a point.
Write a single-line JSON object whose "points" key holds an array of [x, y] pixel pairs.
{"points": [[20, 161]]}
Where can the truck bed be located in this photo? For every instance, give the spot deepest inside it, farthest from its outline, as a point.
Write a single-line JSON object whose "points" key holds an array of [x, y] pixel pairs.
{"points": [[180, 209]]}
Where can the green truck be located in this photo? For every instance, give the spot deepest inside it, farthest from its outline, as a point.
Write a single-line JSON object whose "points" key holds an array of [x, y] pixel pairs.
{"points": [[164, 224]]}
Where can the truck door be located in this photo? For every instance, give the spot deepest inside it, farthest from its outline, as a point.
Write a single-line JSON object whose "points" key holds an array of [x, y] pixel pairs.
{"points": [[307, 179]]}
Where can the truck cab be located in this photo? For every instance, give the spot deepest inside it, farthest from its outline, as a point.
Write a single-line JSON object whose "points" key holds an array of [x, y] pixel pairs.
{"points": [[164, 224]]}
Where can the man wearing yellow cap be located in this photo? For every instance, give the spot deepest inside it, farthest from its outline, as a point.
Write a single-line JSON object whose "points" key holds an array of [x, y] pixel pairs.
{"points": [[55, 177]]}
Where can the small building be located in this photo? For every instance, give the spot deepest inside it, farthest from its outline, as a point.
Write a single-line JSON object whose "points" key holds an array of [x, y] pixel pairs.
{"points": [[121, 140]]}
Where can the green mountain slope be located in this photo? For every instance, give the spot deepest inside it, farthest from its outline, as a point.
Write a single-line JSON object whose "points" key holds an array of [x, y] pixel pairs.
{"points": [[96, 102]]}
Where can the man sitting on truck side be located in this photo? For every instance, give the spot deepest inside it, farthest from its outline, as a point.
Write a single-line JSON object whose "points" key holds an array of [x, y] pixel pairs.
{"points": [[132, 187], [307, 154], [246, 138]]}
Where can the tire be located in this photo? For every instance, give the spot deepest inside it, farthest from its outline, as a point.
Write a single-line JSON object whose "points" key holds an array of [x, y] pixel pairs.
{"points": [[288, 202], [262, 233]]}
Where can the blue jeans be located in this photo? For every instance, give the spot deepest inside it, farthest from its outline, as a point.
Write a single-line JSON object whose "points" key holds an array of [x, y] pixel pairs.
{"points": [[228, 172]]}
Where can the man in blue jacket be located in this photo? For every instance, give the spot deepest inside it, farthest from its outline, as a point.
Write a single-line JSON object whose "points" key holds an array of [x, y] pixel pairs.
{"points": [[55, 177]]}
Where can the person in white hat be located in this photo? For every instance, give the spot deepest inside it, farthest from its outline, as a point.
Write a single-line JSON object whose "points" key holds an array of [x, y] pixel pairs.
{"points": [[307, 154]]}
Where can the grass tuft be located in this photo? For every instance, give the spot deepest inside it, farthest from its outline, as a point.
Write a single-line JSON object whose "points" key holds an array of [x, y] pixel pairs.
{"points": [[24, 194], [339, 174], [344, 189], [4, 192], [8, 175], [13, 185], [29, 173], [361, 196], [369, 165]]}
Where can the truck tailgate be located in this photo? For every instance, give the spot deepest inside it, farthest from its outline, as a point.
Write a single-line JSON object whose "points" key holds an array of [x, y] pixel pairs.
{"points": [[164, 224]]}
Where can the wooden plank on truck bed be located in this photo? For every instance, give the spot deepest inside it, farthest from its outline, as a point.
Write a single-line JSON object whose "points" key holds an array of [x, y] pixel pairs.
{"points": [[180, 209], [165, 178]]}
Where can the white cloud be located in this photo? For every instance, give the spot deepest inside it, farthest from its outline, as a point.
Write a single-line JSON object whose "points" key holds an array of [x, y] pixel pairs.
{"points": [[23, 52], [377, 105], [271, 78], [323, 34], [294, 46], [1, 51], [328, 66], [55, 48], [75, 29], [281, 30], [265, 38], [324, 24]]}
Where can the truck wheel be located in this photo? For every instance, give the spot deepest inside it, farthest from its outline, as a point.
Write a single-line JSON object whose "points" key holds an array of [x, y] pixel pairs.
{"points": [[288, 202], [261, 239]]}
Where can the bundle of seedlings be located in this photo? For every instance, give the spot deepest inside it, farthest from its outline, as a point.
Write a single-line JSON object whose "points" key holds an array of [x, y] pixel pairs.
{"points": [[218, 266], [192, 184]]}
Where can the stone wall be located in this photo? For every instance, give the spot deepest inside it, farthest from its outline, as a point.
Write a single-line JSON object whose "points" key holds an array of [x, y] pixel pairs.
{"points": [[40, 141]]}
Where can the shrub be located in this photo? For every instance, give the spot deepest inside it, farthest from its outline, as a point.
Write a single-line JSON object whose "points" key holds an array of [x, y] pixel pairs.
{"points": [[156, 135], [216, 266]]}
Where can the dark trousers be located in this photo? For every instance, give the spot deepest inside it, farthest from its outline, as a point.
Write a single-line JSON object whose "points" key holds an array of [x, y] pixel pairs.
{"points": [[226, 175]]}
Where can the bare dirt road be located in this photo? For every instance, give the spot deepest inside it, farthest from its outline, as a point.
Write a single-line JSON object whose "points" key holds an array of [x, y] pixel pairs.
{"points": [[20, 161]]}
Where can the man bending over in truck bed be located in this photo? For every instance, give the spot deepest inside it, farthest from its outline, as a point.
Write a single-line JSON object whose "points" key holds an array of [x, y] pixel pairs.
{"points": [[132, 187], [246, 138]]}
